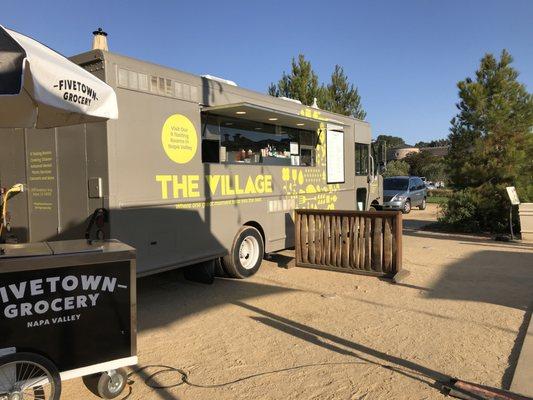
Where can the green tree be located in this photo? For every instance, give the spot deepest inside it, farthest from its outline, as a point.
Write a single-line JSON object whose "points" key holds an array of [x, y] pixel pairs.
{"points": [[342, 97], [435, 171], [491, 143], [392, 142], [300, 84], [434, 143], [396, 168], [418, 162]]}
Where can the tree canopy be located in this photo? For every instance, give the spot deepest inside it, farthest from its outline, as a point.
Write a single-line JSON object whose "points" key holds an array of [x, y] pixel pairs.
{"points": [[396, 168], [392, 142], [434, 143], [342, 97], [339, 95], [300, 84], [491, 144]]}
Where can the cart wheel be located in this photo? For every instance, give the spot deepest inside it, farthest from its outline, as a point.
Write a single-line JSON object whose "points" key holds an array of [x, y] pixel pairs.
{"points": [[28, 376], [112, 383]]}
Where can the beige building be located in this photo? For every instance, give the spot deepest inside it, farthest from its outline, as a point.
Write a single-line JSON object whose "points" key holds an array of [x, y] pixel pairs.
{"points": [[402, 152]]}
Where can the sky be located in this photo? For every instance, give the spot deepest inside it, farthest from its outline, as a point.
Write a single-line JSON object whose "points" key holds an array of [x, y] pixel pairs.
{"points": [[405, 57]]}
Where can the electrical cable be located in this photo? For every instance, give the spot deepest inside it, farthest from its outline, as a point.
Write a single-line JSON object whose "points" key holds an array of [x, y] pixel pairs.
{"points": [[184, 376], [19, 187]]}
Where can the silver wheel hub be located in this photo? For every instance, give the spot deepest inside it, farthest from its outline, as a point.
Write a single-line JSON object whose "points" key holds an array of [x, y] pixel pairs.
{"points": [[115, 383], [16, 396], [249, 252]]}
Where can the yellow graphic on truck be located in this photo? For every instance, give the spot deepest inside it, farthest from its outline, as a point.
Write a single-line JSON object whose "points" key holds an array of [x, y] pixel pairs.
{"points": [[188, 186], [179, 139]]}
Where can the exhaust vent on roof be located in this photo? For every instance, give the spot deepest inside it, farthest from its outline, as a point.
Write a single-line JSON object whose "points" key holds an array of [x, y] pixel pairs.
{"points": [[216, 78], [289, 99], [100, 40]]}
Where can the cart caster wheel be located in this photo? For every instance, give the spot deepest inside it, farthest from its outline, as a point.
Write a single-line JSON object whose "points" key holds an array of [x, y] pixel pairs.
{"points": [[112, 383], [28, 375]]}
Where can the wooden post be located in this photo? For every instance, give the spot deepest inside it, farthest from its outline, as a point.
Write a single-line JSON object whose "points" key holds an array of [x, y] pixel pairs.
{"points": [[368, 244], [304, 241], [324, 240], [387, 245], [334, 240], [311, 228], [398, 224], [297, 237], [345, 242], [362, 230], [355, 248], [318, 239], [351, 256], [377, 249], [339, 241], [327, 236]]}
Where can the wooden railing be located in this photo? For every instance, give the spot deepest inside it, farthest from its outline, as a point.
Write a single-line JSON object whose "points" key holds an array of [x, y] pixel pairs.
{"points": [[349, 241]]}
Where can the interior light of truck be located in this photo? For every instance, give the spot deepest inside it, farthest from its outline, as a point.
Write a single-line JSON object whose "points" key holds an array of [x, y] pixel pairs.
{"points": [[300, 124], [272, 119], [240, 112]]}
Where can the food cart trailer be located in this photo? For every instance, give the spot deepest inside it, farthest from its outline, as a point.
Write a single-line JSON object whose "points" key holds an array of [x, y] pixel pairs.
{"points": [[68, 310]]}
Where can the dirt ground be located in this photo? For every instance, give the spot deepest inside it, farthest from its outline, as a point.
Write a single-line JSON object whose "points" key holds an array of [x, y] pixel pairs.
{"points": [[311, 334]]}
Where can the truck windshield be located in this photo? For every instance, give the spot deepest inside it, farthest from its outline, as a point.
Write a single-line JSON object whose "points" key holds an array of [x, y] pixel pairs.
{"points": [[395, 184]]}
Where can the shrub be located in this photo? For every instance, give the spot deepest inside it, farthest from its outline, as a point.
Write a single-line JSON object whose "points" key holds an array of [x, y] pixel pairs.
{"points": [[460, 212], [481, 209], [440, 193]]}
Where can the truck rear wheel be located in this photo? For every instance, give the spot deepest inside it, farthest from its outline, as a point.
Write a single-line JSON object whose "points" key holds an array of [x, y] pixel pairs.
{"points": [[246, 253]]}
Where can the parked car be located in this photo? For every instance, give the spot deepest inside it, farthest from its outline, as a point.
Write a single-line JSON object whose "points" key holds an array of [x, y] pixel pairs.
{"points": [[404, 192]]}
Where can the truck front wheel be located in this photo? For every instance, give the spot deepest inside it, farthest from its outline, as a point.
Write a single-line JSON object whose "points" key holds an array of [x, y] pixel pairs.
{"points": [[246, 254]]}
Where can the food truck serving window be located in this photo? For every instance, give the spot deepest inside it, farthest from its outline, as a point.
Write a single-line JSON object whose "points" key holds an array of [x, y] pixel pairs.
{"points": [[240, 141]]}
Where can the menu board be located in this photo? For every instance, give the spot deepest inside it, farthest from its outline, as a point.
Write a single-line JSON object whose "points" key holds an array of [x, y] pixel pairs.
{"points": [[335, 156]]}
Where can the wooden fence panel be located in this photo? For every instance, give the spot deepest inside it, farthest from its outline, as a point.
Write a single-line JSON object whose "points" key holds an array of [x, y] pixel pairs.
{"points": [[369, 243]]}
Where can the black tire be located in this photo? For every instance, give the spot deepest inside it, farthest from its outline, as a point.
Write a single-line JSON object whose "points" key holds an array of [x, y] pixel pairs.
{"points": [[232, 262], [46, 365], [423, 205], [219, 268], [110, 388], [406, 207]]}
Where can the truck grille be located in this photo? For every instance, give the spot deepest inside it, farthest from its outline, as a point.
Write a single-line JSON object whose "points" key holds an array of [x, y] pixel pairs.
{"points": [[387, 198]]}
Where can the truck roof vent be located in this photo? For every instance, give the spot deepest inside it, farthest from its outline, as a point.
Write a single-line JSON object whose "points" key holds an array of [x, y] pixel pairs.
{"points": [[289, 99], [216, 78], [100, 40]]}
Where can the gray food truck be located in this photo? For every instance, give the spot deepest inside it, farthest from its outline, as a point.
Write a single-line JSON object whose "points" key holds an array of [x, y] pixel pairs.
{"points": [[194, 169]]}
